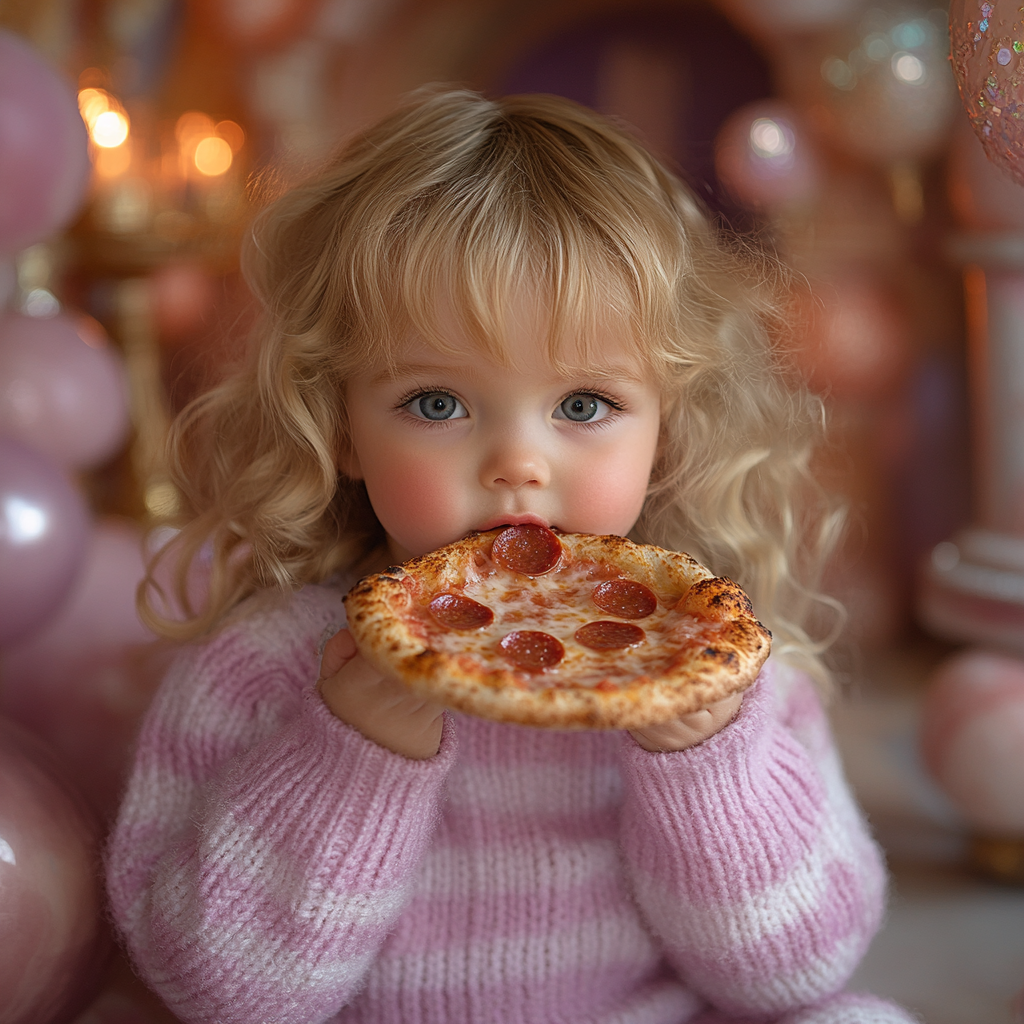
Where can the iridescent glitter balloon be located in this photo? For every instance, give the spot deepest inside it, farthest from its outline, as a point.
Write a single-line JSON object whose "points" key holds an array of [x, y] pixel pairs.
{"points": [[988, 59]]}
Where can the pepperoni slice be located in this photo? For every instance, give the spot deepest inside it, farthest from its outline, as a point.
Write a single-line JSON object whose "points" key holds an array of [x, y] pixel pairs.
{"points": [[456, 611], [532, 650], [625, 598], [604, 635], [527, 548]]}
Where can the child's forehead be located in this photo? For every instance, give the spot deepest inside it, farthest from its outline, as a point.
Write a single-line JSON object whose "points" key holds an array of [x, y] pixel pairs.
{"points": [[519, 331], [603, 356]]}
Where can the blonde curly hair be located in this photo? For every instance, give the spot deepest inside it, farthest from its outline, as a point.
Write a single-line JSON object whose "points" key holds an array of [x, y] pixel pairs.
{"points": [[475, 199]]}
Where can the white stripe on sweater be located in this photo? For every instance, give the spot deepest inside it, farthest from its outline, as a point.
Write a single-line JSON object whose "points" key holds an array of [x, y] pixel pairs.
{"points": [[571, 789], [719, 929], [611, 939]]}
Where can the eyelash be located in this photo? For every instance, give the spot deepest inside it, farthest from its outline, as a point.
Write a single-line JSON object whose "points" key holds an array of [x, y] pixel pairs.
{"points": [[612, 403], [400, 406], [423, 392]]}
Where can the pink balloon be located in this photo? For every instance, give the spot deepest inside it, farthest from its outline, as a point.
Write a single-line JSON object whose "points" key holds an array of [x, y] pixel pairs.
{"points": [[183, 297], [53, 942], [853, 338], [116, 1008], [44, 157], [972, 738], [84, 679], [763, 158], [44, 525], [985, 197], [63, 391]]}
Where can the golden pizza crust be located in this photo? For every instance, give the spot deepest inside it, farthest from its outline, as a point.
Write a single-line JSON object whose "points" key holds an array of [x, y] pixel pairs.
{"points": [[381, 620]]}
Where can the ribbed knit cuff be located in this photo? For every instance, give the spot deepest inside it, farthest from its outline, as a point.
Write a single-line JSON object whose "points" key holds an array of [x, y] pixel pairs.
{"points": [[730, 810]]}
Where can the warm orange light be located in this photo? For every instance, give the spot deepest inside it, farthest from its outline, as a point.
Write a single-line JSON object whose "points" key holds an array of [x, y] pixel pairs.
{"points": [[212, 156], [109, 129], [112, 163]]}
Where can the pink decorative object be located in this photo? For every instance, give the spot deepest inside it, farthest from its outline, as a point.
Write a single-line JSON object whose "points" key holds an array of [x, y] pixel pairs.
{"points": [[983, 194], [855, 340], [972, 738], [763, 158], [882, 91], [63, 391], [270, 24], [43, 530], [44, 159], [53, 941], [987, 38], [183, 296], [83, 680]]}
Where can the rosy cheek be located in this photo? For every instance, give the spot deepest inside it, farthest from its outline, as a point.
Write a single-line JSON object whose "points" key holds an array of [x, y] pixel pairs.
{"points": [[414, 501], [607, 494]]}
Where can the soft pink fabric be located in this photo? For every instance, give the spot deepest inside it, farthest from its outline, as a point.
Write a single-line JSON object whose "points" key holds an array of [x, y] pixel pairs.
{"points": [[272, 865]]}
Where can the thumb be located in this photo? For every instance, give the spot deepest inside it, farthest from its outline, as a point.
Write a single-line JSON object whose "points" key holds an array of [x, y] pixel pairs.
{"points": [[340, 649]]}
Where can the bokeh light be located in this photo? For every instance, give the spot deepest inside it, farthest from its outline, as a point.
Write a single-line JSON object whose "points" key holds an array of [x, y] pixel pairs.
{"points": [[110, 129], [104, 117], [770, 139], [212, 156]]}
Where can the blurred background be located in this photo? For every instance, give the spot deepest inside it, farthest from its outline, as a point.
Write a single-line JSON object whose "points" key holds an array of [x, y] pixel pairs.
{"points": [[830, 131]]}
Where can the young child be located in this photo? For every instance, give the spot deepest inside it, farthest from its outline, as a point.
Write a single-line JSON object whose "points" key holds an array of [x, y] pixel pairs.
{"points": [[484, 313]]}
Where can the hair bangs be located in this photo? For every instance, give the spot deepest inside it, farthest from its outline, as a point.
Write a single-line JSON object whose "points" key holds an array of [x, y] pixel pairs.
{"points": [[476, 258]]}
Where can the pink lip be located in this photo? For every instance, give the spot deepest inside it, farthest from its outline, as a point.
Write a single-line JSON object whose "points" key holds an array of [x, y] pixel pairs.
{"points": [[526, 517]]}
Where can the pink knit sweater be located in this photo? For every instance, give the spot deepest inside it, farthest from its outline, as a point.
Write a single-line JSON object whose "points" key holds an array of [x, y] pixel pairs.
{"points": [[272, 865]]}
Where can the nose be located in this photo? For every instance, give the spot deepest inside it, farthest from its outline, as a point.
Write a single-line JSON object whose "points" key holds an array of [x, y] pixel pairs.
{"points": [[514, 461]]}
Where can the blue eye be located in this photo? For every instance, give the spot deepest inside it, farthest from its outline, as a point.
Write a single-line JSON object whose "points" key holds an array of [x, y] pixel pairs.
{"points": [[580, 408], [436, 405]]}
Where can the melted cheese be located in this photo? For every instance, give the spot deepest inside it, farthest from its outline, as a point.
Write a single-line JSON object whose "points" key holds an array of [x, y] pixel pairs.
{"points": [[558, 604]]}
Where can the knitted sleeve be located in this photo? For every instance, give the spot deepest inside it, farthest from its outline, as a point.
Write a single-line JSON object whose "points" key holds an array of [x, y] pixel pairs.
{"points": [[263, 848], [749, 858]]}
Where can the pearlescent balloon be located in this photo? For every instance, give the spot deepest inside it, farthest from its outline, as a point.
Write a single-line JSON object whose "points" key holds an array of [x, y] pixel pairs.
{"points": [[882, 91], [44, 525], [763, 158], [83, 680], [972, 737], [44, 158], [63, 391], [53, 941]]}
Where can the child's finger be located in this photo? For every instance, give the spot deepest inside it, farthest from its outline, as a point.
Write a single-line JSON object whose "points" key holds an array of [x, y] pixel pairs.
{"points": [[340, 649], [722, 712]]}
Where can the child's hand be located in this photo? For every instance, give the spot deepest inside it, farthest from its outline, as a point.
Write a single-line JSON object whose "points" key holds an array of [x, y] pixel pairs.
{"points": [[382, 709], [689, 730]]}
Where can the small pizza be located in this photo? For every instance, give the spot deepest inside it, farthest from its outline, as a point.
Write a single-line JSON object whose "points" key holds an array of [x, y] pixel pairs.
{"points": [[570, 631]]}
